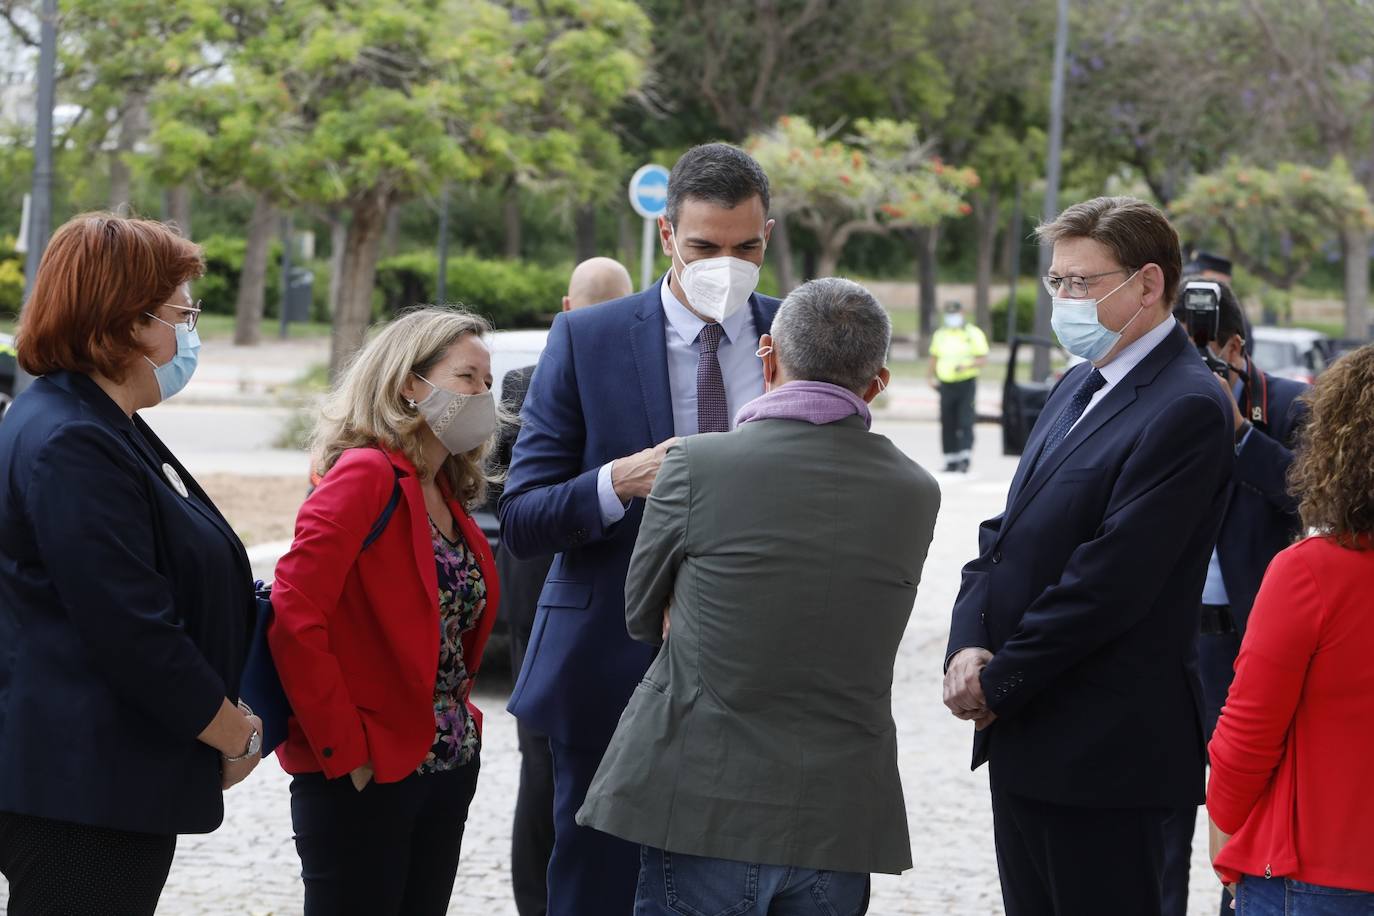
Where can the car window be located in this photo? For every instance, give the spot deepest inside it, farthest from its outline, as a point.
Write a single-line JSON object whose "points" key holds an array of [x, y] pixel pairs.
{"points": [[1276, 354]]}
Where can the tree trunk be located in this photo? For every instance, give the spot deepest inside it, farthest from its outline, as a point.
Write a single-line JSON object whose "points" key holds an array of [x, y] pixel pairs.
{"points": [[338, 238], [359, 273], [828, 261], [584, 232], [131, 125], [985, 215], [1356, 245], [1011, 255], [927, 275], [780, 253], [176, 204], [510, 210], [253, 278], [392, 233]]}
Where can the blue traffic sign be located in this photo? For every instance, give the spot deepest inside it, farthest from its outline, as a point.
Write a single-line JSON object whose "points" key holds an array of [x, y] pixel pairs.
{"points": [[649, 191]]}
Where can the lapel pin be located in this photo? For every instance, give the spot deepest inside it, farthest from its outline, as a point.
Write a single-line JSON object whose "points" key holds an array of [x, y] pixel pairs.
{"points": [[175, 480]]}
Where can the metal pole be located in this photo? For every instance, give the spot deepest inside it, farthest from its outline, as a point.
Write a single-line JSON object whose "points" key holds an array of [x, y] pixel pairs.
{"points": [[441, 292], [40, 208], [1040, 366], [287, 230], [646, 255]]}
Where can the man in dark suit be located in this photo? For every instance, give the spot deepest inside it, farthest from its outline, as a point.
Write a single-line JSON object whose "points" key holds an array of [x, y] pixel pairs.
{"points": [[1073, 641], [594, 281], [614, 387], [1261, 519]]}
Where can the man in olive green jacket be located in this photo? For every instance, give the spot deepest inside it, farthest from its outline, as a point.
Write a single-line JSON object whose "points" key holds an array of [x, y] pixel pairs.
{"points": [[757, 760]]}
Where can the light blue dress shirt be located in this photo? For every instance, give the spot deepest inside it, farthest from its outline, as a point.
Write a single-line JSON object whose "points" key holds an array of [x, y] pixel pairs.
{"points": [[739, 367]]}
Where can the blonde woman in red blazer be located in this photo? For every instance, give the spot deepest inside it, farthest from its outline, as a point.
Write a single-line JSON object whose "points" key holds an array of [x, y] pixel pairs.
{"points": [[377, 648], [1293, 753]]}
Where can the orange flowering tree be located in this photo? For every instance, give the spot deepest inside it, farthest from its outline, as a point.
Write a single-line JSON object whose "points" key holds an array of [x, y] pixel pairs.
{"points": [[1274, 222], [879, 179]]}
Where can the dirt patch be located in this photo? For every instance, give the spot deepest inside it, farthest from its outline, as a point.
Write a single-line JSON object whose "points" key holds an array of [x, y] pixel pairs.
{"points": [[261, 509]]}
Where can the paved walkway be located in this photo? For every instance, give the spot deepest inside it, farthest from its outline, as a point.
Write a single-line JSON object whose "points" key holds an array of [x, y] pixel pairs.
{"points": [[249, 866]]}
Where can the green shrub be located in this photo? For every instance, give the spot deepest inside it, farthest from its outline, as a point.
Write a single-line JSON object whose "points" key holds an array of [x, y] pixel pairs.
{"points": [[1026, 295], [218, 290], [511, 294], [11, 277]]}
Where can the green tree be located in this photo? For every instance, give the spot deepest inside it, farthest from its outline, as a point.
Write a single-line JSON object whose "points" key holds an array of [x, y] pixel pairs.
{"points": [[878, 180], [1273, 222]]}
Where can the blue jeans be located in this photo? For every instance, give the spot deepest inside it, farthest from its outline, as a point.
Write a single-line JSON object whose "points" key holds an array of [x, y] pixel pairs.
{"points": [[673, 884], [1286, 897]]}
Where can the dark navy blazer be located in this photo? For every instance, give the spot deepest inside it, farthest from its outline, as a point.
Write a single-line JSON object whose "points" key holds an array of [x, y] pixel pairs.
{"points": [[125, 613], [1086, 591], [600, 392], [1262, 518]]}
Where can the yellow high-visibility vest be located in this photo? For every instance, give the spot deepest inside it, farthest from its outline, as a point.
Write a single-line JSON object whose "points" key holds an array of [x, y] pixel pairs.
{"points": [[955, 349]]}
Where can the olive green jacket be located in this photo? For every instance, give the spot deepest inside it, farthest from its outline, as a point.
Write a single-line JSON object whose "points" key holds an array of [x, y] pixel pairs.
{"points": [[763, 731]]}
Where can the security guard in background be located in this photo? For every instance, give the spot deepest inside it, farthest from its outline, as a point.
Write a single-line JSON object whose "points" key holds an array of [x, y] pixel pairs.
{"points": [[958, 350], [1261, 519]]}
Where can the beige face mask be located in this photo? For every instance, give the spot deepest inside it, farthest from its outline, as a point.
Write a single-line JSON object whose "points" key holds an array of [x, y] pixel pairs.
{"points": [[462, 422]]}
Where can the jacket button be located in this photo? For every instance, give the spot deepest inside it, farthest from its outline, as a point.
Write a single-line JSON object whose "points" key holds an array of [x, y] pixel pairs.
{"points": [[328, 752], [996, 557]]}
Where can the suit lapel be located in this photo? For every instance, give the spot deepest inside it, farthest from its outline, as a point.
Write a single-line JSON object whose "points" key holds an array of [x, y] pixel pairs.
{"points": [[1121, 396], [650, 349], [763, 318]]}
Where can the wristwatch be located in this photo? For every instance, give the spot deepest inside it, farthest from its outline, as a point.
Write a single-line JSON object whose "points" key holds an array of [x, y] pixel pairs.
{"points": [[254, 740]]}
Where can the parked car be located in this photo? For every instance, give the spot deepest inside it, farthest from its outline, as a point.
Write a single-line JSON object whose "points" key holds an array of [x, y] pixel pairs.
{"points": [[1296, 353], [9, 367], [1023, 400]]}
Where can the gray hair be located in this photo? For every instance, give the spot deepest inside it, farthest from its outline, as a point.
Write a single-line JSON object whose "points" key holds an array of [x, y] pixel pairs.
{"points": [[832, 330]]}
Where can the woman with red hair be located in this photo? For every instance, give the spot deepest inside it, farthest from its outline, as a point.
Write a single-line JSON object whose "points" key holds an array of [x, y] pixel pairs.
{"points": [[126, 600]]}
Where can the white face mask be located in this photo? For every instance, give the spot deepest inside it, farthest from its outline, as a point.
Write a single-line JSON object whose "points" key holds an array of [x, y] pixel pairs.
{"points": [[461, 422], [716, 288], [954, 321]]}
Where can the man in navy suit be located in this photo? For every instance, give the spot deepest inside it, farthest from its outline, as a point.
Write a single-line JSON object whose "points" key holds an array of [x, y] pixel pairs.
{"points": [[616, 385], [1073, 642], [1261, 519]]}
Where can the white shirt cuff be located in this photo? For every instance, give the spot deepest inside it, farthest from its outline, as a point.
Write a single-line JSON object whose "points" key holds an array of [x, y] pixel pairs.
{"points": [[612, 509]]}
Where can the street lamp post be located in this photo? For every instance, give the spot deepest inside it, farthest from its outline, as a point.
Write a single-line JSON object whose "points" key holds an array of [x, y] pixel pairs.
{"points": [[1040, 366], [40, 207]]}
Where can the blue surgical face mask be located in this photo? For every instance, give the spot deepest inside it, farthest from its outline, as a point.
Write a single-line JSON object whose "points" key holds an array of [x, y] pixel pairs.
{"points": [[1075, 324], [173, 376]]}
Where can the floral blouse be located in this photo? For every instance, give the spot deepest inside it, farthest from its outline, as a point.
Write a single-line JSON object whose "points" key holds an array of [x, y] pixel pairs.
{"points": [[462, 599]]}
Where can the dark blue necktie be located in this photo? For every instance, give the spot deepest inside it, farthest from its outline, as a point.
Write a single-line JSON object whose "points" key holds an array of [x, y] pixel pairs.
{"points": [[1070, 414]]}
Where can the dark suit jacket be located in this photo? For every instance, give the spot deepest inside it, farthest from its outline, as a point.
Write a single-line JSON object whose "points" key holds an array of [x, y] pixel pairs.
{"points": [[1086, 591], [521, 580], [1262, 517], [600, 392], [125, 615]]}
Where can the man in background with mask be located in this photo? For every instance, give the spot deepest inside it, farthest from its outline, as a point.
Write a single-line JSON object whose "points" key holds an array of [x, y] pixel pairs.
{"points": [[1261, 519], [1073, 641], [958, 350], [615, 387]]}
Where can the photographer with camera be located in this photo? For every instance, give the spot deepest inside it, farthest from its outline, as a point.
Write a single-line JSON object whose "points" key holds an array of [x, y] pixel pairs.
{"points": [[1261, 519]]}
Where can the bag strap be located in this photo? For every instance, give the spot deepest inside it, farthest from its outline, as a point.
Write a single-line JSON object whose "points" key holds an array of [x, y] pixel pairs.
{"points": [[380, 524]]}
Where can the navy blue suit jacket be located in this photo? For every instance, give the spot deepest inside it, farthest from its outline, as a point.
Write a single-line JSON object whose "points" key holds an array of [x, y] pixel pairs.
{"points": [[1262, 518], [1086, 591], [125, 615], [600, 392]]}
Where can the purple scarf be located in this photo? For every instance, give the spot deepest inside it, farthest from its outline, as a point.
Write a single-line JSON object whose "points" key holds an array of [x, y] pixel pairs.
{"points": [[815, 402]]}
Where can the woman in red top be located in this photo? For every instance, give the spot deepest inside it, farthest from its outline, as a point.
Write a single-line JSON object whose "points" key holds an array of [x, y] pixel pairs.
{"points": [[377, 646], [1293, 753]]}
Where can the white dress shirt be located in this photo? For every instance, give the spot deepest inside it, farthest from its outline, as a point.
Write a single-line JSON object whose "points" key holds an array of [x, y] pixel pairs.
{"points": [[741, 370], [1125, 361]]}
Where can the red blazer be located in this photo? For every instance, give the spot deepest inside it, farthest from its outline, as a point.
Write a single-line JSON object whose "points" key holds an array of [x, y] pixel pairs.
{"points": [[355, 635], [1293, 754]]}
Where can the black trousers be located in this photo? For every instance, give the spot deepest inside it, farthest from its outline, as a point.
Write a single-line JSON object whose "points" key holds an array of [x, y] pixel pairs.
{"points": [[531, 842], [55, 868], [957, 415], [388, 850], [1058, 860]]}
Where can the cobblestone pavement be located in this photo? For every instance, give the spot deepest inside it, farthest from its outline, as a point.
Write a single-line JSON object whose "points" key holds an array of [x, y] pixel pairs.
{"points": [[249, 866]]}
